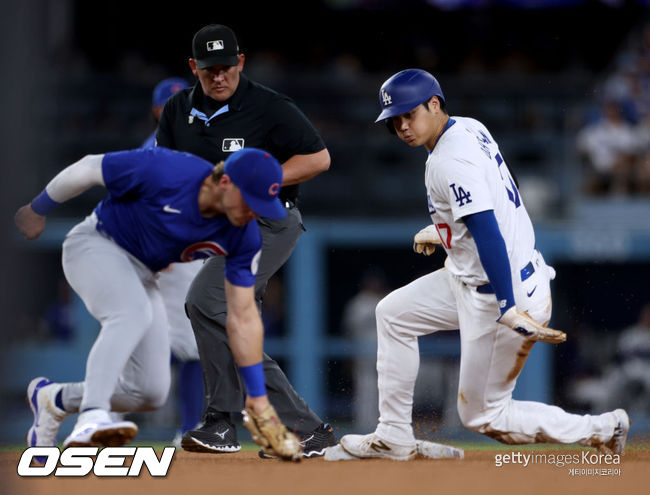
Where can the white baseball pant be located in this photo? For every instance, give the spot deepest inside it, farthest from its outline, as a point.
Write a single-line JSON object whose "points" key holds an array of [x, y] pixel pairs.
{"points": [[174, 282], [492, 356], [128, 366]]}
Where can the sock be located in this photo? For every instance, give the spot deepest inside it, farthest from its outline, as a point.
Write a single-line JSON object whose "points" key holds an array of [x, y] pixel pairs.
{"points": [[190, 377]]}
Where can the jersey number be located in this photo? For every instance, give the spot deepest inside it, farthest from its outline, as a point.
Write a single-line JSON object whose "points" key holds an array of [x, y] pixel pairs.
{"points": [[513, 194], [446, 238]]}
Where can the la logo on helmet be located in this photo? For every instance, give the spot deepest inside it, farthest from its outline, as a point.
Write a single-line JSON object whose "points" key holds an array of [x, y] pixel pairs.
{"points": [[386, 98]]}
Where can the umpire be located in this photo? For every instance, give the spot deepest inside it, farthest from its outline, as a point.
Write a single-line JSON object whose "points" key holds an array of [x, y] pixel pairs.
{"points": [[222, 113]]}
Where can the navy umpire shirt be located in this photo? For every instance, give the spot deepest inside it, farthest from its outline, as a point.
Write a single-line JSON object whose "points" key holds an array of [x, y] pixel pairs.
{"points": [[254, 116]]}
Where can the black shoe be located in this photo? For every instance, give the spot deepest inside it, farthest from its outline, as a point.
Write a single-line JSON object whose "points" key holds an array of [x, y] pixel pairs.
{"points": [[216, 435], [313, 443]]}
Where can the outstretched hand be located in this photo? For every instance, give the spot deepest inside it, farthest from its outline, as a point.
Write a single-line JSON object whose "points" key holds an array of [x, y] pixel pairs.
{"points": [[29, 223]]}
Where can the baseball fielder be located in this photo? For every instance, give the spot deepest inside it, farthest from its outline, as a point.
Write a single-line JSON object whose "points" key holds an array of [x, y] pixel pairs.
{"points": [[163, 206], [174, 283], [494, 287]]}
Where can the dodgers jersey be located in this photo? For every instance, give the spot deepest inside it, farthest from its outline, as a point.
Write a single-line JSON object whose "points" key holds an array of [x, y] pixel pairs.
{"points": [[152, 211], [466, 174]]}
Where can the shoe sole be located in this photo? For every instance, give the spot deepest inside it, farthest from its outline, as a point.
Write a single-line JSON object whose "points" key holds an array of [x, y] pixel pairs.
{"points": [[109, 437], [200, 447], [30, 398], [305, 455], [408, 457]]}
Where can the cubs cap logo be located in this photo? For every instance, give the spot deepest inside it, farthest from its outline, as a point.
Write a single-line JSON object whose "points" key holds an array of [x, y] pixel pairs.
{"points": [[274, 189]]}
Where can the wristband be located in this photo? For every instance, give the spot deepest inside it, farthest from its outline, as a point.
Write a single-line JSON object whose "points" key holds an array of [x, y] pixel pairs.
{"points": [[253, 376], [42, 204]]}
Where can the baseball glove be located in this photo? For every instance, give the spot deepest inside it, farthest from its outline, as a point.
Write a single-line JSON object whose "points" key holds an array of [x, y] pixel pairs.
{"points": [[524, 325], [425, 241], [268, 432]]}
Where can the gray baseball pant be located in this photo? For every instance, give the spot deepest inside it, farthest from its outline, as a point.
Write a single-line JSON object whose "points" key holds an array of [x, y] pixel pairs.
{"points": [[206, 307]]}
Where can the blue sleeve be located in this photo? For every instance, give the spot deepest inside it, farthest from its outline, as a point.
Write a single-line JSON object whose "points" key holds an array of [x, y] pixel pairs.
{"points": [[242, 262], [493, 255], [125, 172]]}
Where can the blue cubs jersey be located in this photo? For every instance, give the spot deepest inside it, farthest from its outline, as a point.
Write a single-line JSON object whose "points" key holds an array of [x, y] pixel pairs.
{"points": [[152, 211]]}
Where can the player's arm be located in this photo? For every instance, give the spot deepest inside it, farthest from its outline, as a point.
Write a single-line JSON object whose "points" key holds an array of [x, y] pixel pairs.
{"points": [[246, 334], [492, 252], [69, 183]]}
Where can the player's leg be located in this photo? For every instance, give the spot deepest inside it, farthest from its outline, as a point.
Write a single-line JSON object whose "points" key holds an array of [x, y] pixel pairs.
{"points": [[424, 306], [144, 382], [492, 358], [109, 281], [174, 284], [279, 240]]}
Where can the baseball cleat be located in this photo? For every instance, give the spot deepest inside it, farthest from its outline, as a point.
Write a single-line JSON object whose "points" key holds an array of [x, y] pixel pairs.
{"points": [[337, 453], [41, 395], [216, 435], [96, 428], [371, 446], [314, 443], [617, 443]]}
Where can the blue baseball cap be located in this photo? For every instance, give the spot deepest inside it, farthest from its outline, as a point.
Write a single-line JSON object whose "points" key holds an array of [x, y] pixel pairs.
{"points": [[165, 88], [258, 175]]}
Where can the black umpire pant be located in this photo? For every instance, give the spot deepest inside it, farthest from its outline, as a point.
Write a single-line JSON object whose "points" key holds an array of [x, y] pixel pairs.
{"points": [[206, 307]]}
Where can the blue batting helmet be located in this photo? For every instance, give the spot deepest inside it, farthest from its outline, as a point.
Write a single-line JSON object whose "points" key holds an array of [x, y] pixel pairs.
{"points": [[406, 90]]}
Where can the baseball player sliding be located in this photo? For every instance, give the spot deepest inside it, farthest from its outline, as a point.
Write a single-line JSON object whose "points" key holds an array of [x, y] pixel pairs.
{"points": [[163, 206], [495, 288]]}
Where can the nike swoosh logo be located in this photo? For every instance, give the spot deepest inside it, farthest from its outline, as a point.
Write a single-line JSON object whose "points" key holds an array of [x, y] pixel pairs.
{"points": [[222, 435], [531, 292], [169, 209]]}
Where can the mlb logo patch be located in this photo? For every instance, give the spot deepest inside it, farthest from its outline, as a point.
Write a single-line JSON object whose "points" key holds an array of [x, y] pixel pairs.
{"points": [[232, 144], [214, 45]]}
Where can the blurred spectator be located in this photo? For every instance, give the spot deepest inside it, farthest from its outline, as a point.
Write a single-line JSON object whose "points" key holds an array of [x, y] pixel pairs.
{"points": [[359, 324], [609, 148], [626, 383], [642, 169]]}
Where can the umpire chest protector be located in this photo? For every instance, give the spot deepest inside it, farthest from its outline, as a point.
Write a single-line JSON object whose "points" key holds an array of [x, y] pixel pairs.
{"points": [[254, 117]]}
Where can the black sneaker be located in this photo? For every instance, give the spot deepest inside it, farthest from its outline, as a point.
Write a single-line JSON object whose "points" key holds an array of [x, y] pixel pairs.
{"points": [[313, 443], [217, 435]]}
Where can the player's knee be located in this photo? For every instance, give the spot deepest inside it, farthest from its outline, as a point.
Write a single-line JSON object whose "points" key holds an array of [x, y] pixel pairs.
{"points": [[471, 413], [387, 308], [476, 416], [137, 319], [156, 394]]}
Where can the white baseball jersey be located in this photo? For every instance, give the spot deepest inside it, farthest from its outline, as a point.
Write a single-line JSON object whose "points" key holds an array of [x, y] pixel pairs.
{"points": [[466, 174]]}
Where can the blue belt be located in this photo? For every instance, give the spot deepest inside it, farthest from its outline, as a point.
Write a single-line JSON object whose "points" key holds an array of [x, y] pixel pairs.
{"points": [[525, 273]]}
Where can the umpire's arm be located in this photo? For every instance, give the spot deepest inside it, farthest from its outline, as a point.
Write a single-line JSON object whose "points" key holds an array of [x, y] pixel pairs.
{"points": [[301, 168]]}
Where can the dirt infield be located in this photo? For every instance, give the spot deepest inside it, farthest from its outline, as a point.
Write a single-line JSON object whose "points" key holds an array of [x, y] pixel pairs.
{"points": [[245, 473]]}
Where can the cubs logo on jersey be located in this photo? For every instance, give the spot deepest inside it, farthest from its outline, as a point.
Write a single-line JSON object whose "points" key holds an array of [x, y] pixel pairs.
{"points": [[202, 250]]}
